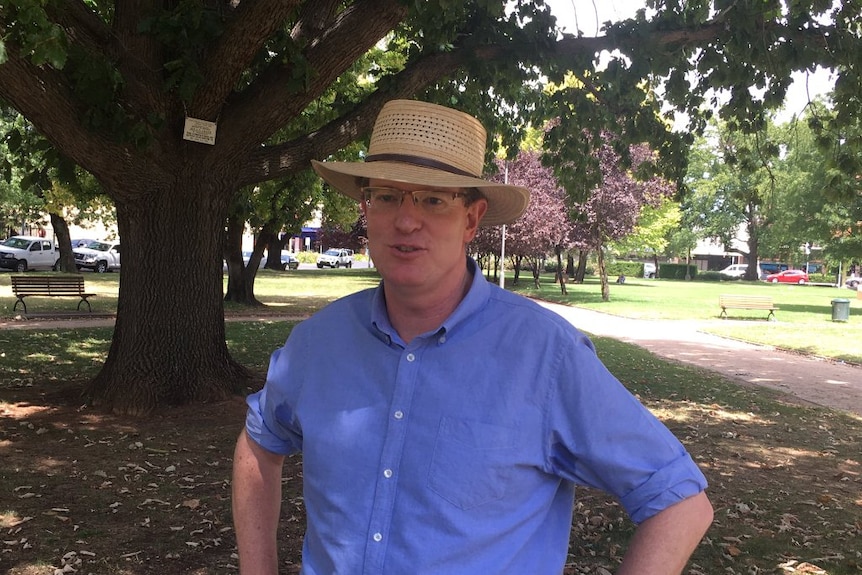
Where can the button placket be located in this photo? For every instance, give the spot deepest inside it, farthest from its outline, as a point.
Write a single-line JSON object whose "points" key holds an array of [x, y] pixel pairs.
{"points": [[387, 484]]}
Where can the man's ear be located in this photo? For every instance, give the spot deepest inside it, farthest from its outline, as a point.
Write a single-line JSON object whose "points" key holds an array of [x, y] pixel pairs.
{"points": [[475, 212]]}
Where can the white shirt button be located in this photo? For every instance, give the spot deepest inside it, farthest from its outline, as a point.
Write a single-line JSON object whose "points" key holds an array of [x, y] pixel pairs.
{"points": [[442, 339], [378, 537], [410, 357], [399, 414], [387, 473]]}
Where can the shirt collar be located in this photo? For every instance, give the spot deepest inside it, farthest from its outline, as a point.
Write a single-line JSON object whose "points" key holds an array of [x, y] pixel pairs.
{"points": [[476, 298]]}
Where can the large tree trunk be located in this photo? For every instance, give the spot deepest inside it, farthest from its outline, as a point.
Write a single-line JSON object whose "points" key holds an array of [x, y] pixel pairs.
{"points": [[240, 279], [169, 343], [582, 266], [269, 238], [63, 243], [753, 246]]}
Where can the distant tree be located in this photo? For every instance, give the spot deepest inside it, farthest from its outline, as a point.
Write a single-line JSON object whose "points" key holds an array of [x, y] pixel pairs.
{"points": [[733, 180], [651, 234], [544, 225], [806, 175], [337, 235], [45, 181], [611, 210], [271, 210]]}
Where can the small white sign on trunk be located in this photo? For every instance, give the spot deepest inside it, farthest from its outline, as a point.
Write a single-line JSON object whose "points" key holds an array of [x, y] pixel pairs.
{"points": [[200, 131]]}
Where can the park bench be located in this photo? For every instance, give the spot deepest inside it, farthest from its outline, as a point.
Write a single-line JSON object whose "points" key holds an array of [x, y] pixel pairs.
{"points": [[764, 302], [49, 286]]}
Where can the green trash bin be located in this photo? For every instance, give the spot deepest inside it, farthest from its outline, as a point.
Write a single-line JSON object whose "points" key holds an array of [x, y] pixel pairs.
{"points": [[840, 309]]}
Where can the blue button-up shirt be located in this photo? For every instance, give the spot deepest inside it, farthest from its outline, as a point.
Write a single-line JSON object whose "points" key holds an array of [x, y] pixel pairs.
{"points": [[459, 452]]}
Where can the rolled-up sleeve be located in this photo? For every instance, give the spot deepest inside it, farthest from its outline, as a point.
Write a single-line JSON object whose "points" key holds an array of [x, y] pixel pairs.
{"points": [[603, 437], [678, 480], [270, 421]]}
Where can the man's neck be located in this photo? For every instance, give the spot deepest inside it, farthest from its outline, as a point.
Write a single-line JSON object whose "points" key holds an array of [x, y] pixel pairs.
{"points": [[412, 313]]}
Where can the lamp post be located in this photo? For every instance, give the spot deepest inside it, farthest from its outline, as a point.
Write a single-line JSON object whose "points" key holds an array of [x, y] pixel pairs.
{"points": [[503, 242]]}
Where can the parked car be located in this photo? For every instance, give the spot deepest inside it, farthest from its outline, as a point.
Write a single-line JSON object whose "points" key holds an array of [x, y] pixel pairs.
{"points": [[22, 253], [734, 271], [288, 260], [767, 268], [649, 270], [98, 256], [788, 277], [335, 257], [81, 242]]}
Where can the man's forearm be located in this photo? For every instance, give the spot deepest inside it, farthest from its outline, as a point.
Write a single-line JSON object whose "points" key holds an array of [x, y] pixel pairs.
{"points": [[256, 503], [663, 543]]}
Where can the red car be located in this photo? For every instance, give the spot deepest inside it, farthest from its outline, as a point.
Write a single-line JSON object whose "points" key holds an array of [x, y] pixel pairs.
{"points": [[788, 277]]}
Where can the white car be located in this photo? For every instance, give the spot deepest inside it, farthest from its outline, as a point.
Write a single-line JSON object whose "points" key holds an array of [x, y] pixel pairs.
{"points": [[649, 270], [335, 257], [735, 270], [22, 253], [100, 257]]}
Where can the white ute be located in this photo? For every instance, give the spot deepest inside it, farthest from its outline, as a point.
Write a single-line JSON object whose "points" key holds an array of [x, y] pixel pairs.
{"points": [[334, 257], [22, 253], [100, 257]]}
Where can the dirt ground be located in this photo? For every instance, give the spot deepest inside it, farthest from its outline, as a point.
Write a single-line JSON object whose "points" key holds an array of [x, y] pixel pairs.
{"points": [[85, 492]]}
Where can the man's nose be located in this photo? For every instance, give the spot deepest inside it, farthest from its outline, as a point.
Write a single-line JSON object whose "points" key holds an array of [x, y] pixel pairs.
{"points": [[408, 216]]}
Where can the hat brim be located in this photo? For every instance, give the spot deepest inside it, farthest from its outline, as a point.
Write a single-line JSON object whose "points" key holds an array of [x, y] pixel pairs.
{"points": [[506, 202]]}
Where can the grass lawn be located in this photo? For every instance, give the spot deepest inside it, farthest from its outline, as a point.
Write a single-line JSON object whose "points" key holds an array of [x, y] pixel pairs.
{"points": [[107, 495], [803, 320]]}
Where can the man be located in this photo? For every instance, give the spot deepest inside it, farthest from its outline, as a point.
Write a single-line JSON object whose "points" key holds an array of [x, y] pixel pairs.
{"points": [[452, 441]]}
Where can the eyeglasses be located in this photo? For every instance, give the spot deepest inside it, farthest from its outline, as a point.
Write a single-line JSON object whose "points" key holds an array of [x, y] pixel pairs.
{"points": [[388, 200]]}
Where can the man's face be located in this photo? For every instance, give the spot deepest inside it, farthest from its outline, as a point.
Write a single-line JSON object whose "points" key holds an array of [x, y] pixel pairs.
{"points": [[415, 248]]}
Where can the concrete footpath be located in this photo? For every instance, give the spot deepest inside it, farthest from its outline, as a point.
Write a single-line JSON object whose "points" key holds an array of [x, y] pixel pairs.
{"points": [[813, 380]]}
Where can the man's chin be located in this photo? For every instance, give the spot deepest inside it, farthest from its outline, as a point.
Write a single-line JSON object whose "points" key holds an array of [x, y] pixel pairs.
{"points": [[403, 275]]}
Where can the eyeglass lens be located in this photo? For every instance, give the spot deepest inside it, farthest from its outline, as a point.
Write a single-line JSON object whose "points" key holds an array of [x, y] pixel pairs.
{"points": [[390, 199]]}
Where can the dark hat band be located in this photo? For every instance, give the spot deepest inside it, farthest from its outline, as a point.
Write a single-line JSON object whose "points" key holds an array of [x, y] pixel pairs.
{"points": [[418, 161]]}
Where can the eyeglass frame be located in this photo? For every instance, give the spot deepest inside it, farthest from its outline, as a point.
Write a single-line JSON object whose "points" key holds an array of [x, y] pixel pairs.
{"points": [[470, 195]]}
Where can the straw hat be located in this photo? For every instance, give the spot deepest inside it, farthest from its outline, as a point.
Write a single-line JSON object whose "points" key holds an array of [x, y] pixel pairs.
{"points": [[426, 144]]}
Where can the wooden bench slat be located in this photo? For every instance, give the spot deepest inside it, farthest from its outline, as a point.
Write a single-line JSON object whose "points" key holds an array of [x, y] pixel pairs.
{"points": [[732, 301], [49, 286]]}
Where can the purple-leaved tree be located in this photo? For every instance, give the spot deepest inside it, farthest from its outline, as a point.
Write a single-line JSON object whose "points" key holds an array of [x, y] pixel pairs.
{"points": [[611, 210], [543, 228]]}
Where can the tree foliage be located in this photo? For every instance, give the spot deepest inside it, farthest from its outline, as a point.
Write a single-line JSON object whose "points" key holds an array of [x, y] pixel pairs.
{"points": [[544, 224], [653, 230], [612, 209], [833, 228]]}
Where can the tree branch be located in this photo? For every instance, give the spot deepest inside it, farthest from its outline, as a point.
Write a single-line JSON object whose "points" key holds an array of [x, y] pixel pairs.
{"points": [[272, 101], [251, 26], [287, 158], [42, 95]]}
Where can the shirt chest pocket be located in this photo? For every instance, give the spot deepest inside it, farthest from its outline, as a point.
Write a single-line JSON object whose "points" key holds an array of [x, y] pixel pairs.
{"points": [[472, 461]]}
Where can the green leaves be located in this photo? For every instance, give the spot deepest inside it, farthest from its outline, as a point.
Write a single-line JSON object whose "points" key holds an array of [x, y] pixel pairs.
{"points": [[186, 32], [29, 26]]}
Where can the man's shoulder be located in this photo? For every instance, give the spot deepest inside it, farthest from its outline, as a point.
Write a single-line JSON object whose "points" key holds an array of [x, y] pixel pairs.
{"points": [[523, 309], [355, 307]]}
